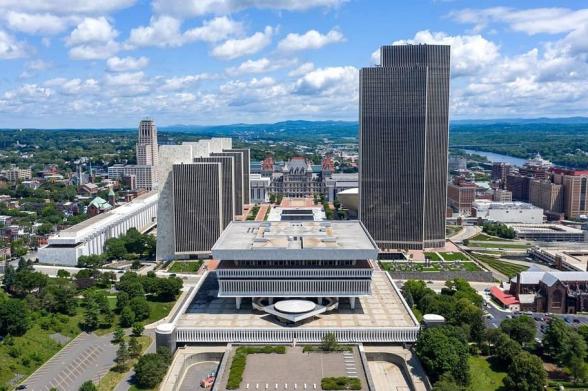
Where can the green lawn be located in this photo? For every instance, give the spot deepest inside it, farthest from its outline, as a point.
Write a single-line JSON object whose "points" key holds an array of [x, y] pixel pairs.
{"points": [[253, 213], [485, 237], [184, 267], [483, 377], [158, 310], [456, 256], [432, 256], [507, 268], [498, 245], [433, 267], [28, 352]]}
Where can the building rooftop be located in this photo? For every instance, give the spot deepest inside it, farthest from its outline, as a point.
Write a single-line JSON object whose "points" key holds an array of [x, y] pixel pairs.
{"points": [[550, 278], [76, 234], [487, 204], [309, 240], [383, 308], [544, 228]]}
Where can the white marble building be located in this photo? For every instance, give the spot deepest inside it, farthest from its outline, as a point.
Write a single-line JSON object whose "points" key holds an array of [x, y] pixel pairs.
{"points": [[88, 237]]}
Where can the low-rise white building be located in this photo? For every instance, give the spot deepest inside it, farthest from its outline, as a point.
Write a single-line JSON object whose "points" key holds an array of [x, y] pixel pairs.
{"points": [[339, 182], [549, 232], [508, 212], [144, 175], [88, 237], [259, 187]]}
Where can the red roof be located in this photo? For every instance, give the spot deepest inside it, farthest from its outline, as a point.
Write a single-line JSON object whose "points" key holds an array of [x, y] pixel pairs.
{"points": [[503, 297]]}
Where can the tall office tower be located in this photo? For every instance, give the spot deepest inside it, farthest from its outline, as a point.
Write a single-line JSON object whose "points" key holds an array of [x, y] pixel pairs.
{"points": [[147, 154], [500, 171], [240, 163], [228, 184], [197, 206], [246, 173], [403, 133]]}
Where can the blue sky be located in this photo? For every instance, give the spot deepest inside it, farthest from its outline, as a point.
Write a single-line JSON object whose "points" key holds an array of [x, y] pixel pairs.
{"points": [[108, 63]]}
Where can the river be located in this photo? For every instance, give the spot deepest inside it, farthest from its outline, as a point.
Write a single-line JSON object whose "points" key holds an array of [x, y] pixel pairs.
{"points": [[496, 157]]}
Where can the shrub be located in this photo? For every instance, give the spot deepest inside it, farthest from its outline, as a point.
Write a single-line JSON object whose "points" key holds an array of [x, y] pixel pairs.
{"points": [[340, 383], [240, 359], [150, 369]]}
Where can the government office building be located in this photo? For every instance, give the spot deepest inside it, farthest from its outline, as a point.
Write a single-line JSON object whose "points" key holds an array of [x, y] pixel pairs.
{"points": [[292, 281], [403, 140], [202, 189]]}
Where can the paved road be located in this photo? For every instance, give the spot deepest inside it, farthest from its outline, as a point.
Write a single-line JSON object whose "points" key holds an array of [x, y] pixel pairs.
{"points": [[195, 373], [88, 357], [468, 231]]}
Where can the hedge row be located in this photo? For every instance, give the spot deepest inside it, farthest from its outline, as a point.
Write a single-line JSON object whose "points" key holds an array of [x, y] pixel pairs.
{"points": [[340, 383], [240, 359]]}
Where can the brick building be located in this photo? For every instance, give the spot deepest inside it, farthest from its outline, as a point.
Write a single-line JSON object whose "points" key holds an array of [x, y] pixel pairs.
{"points": [[552, 292]]}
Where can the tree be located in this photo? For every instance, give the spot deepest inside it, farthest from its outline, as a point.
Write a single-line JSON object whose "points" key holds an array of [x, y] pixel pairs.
{"points": [[122, 356], [444, 350], [138, 329], [150, 370], [122, 300], [583, 331], [329, 342], [446, 383], [88, 386], [134, 347], [14, 317], [506, 349], [130, 283], [526, 373], [169, 288], [417, 289], [91, 314], [118, 335], [115, 248], [60, 298], [140, 307], [127, 317], [63, 273], [573, 355], [521, 329], [9, 277]]}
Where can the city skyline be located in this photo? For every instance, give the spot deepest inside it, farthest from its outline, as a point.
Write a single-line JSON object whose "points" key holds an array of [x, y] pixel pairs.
{"points": [[222, 62]]}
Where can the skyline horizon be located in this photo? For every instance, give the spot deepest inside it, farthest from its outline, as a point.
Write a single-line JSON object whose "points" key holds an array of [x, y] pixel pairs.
{"points": [[552, 119], [222, 62]]}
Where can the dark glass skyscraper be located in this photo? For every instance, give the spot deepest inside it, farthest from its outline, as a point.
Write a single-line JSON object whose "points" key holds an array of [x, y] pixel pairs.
{"points": [[403, 137]]}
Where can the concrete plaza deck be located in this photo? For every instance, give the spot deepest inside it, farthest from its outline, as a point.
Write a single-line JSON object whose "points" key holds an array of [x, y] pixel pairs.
{"points": [[383, 308]]}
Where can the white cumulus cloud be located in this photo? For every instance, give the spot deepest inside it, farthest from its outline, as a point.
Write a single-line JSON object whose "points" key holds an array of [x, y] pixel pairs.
{"points": [[312, 39], [10, 47], [469, 53], [188, 8], [37, 23], [125, 64], [329, 80], [234, 48]]}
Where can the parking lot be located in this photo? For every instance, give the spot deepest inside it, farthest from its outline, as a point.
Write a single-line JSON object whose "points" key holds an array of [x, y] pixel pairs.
{"points": [[497, 316], [88, 357]]}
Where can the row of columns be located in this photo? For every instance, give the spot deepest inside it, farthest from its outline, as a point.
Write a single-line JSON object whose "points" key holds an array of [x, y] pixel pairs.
{"points": [[139, 220]]}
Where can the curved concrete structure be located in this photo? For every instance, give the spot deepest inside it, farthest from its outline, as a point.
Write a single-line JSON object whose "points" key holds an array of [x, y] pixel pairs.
{"points": [[294, 306], [349, 198]]}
